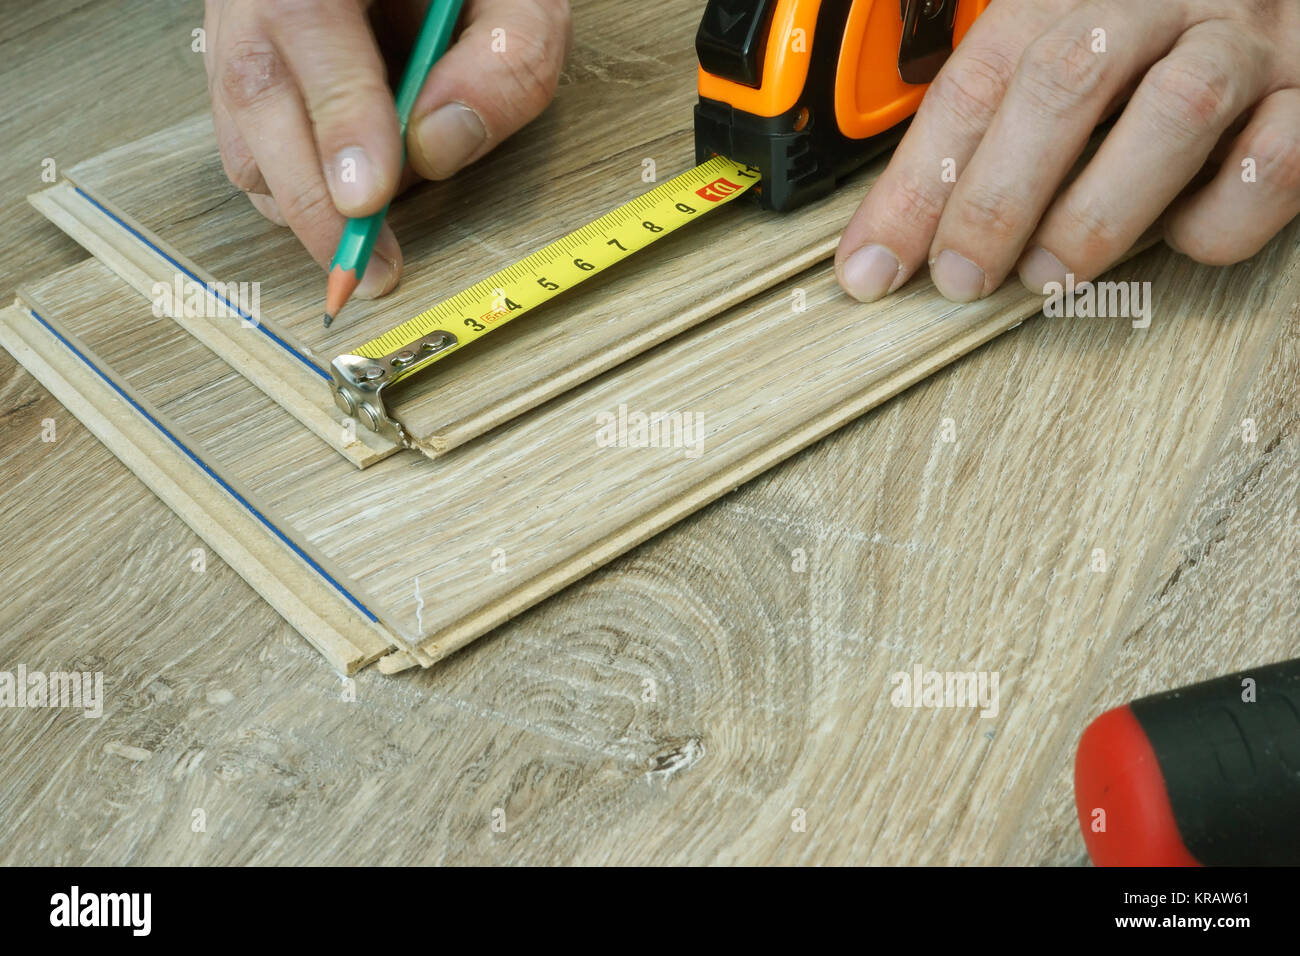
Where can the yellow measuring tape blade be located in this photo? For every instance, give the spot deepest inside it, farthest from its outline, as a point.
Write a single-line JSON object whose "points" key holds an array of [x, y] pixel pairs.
{"points": [[563, 264]]}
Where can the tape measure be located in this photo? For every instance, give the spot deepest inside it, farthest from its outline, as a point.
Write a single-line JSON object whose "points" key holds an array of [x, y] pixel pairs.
{"points": [[360, 376]]}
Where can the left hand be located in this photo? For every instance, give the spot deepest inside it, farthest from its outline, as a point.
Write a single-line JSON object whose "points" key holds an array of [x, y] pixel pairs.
{"points": [[1214, 83]]}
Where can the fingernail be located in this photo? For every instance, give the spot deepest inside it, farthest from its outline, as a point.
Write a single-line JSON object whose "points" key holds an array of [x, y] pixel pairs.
{"points": [[870, 272], [351, 177], [448, 137], [379, 277], [1040, 267], [956, 277]]}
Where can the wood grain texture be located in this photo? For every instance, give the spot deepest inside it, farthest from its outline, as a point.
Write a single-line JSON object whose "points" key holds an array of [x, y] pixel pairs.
{"points": [[302, 596], [626, 96], [136, 257], [771, 690], [445, 551], [90, 52], [1221, 591], [769, 682]]}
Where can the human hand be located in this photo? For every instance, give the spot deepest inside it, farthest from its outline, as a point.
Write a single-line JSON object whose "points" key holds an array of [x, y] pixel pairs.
{"points": [[304, 115], [1209, 86]]}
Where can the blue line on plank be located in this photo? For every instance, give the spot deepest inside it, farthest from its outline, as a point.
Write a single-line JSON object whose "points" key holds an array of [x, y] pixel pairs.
{"points": [[193, 278], [202, 464]]}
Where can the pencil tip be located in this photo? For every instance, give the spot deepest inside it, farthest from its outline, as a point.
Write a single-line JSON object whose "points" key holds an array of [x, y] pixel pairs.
{"points": [[338, 289]]}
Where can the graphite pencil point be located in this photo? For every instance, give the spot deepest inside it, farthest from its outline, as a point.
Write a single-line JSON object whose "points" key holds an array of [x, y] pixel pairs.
{"points": [[339, 288]]}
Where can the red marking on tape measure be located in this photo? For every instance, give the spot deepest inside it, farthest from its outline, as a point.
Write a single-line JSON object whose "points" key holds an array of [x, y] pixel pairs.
{"points": [[717, 190]]}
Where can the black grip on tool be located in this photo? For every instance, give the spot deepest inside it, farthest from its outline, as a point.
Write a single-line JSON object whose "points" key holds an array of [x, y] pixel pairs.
{"points": [[1229, 752]]}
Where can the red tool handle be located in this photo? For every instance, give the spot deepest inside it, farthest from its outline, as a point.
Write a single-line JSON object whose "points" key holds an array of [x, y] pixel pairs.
{"points": [[1203, 775]]}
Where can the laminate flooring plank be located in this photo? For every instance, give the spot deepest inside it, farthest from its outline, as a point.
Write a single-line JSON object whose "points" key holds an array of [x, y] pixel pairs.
{"points": [[626, 99], [683, 704], [443, 551]]}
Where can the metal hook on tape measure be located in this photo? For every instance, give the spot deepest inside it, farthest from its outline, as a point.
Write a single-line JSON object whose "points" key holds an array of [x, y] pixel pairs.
{"points": [[359, 382]]}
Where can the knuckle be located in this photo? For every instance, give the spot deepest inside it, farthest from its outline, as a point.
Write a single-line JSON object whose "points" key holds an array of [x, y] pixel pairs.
{"points": [[1207, 250], [534, 58], [249, 73], [1089, 228], [1189, 94], [1275, 147], [558, 12], [289, 12], [242, 170], [350, 98], [555, 16], [988, 213], [908, 203], [1059, 70], [530, 86], [307, 205], [972, 87]]}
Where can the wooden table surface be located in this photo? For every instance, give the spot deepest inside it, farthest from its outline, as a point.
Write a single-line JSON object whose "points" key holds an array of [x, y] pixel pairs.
{"points": [[721, 694]]}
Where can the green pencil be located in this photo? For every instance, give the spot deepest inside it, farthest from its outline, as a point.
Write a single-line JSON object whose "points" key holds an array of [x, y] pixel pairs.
{"points": [[358, 239]]}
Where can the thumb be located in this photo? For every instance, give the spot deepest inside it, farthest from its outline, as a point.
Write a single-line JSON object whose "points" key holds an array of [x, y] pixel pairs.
{"points": [[500, 74]]}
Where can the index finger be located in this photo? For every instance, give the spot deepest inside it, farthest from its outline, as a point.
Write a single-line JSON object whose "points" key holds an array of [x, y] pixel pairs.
{"points": [[888, 238], [267, 107], [330, 50]]}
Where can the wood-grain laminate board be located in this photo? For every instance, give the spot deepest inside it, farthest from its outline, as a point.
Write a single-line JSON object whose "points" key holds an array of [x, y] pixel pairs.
{"points": [[442, 551], [293, 582], [64, 52], [772, 682], [298, 382], [626, 97], [772, 676], [916, 550]]}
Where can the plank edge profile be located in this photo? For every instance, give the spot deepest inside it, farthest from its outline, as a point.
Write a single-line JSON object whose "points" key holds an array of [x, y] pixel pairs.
{"points": [[140, 259], [346, 638]]}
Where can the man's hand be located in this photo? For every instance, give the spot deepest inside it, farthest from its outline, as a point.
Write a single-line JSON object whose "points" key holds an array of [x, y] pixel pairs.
{"points": [[1208, 85], [305, 119]]}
